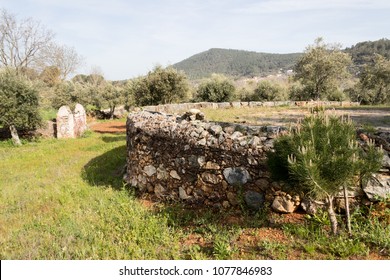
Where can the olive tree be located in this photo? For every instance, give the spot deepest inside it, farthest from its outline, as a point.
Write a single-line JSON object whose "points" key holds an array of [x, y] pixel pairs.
{"points": [[374, 82], [322, 158], [321, 69], [18, 104], [267, 91], [216, 89], [111, 97], [160, 86]]}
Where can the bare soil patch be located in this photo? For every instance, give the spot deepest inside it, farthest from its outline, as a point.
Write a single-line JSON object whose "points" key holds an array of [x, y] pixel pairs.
{"points": [[115, 127]]}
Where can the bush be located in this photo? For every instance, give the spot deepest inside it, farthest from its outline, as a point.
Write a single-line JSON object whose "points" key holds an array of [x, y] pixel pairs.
{"points": [[321, 157], [69, 93], [160, 86], [216, 89], [19, 104], [267, 91]]}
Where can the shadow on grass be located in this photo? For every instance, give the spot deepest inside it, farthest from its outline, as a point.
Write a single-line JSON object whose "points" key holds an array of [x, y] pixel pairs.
{"points": [[107, 169]]}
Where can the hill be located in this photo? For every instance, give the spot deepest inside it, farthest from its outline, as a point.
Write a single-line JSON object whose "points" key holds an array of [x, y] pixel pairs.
{"points": [[363, 52], [239, 63], [235, 63]]}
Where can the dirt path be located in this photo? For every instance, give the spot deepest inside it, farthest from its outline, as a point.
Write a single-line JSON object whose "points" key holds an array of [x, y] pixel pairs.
{"points": [[114, 126]]}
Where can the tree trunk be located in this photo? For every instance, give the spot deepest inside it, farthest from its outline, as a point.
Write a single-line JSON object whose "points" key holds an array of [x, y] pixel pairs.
{"points": [[332, 215], [112, 111], [15, 136], [348, 216]]}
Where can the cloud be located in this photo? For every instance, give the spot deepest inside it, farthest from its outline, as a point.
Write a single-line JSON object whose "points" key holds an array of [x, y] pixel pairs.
{"points": [[289, 6]]}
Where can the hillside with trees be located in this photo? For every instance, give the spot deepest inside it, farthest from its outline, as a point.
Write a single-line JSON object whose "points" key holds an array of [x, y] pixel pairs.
{"points": [[235, 63], [364, 52]]}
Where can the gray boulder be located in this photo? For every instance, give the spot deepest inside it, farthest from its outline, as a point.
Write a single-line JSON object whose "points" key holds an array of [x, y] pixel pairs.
{"points": [[254, 200], [377, 186], [236, 176]]}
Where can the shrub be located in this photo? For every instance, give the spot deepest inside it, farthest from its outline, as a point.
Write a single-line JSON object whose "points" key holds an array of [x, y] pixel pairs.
{"points": [[160, 86], [322, 157], [19, 104], [267, 91], [217, 89]]}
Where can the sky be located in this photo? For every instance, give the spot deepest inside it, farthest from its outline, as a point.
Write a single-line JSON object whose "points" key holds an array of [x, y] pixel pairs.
{"points": [[128, 38]]}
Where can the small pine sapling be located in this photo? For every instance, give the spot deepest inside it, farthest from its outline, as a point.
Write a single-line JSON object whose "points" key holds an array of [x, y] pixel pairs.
{"points": [[321, 157]]}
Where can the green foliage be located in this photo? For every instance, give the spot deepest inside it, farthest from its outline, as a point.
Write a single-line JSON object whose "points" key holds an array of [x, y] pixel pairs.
{"points": [[323, 155], [374, 83], [85, 212], [370, 234], [267, 91], [160, 86], [216, 89], [111, 97], [321, 69], [363, 53], [19, 102], [51, 76], [222, 249], [69, 93], [235, 63]]}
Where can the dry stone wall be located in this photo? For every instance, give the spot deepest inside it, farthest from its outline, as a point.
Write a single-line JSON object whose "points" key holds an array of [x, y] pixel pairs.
{"points": [[185, 158], [182, 107], [189, 159]]}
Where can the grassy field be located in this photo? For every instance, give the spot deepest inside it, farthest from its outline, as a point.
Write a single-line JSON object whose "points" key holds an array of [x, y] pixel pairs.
{"points": [[375, 116], [64, 199]]}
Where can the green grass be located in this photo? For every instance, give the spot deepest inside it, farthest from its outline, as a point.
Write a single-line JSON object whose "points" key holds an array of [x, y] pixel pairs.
{"points": [[64, 199]]}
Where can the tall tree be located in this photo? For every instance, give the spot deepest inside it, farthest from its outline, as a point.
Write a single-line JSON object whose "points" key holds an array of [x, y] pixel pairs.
{"points": [[21, 43], [321, 69], [65, 58], [27, 44], [374, 82]]}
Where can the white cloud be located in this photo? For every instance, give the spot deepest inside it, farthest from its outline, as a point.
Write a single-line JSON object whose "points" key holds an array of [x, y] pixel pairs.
{"points": [[287, 6]]}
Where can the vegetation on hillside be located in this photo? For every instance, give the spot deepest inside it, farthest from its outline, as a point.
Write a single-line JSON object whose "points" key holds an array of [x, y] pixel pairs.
{"points": [[363, 52], [235, 63]]}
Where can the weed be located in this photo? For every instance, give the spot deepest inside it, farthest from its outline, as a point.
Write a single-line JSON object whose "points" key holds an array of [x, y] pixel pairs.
{"points": [[222, 249]]}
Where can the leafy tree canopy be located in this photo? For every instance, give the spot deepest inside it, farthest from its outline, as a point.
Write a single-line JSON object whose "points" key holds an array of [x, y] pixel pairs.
{"points": [[321, 69], [160, 86], [216, 89], [19, 103]]}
